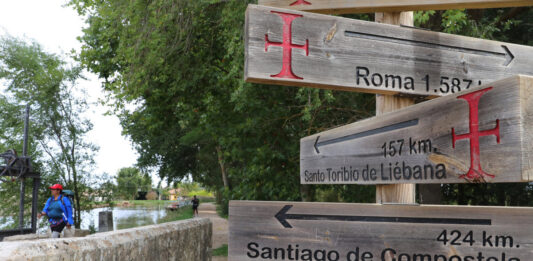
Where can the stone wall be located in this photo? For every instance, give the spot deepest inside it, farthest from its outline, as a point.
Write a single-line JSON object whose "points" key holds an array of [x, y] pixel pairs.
{"points": [[188, 240]]}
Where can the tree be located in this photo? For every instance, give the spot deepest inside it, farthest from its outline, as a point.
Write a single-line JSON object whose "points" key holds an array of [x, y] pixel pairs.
{"points": [[152, 195], [130, 181], [48, 84], [182, 62], [11, 137], [106, 192]]}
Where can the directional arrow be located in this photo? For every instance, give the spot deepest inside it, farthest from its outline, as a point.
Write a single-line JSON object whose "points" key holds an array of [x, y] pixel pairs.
{"points": [[385, 230], [506, 54], [409, 145], [287, 47], [316, 144], [392, 127], [282, 217]]}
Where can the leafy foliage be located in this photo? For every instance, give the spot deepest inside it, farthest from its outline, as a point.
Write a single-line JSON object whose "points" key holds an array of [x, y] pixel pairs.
{"points": [[48, 84], [152, 195], [181, 63], [221, 251]]}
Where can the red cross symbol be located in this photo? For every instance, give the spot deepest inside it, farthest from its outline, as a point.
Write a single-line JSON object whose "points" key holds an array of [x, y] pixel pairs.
{"points": [[475, 172], [287, 45], [300, 2]]}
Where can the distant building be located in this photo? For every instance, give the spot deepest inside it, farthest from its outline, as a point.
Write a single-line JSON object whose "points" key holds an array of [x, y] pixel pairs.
{"points": [[175, 193]]}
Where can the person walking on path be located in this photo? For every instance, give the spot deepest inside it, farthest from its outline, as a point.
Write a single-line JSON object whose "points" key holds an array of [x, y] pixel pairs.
{"points": [[59, 211], [195, 203]]}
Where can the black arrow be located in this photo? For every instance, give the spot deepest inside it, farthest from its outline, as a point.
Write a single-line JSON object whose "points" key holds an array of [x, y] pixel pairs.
{"points": [[282, 217], [506, 54], [395, 126], [316, 146]]}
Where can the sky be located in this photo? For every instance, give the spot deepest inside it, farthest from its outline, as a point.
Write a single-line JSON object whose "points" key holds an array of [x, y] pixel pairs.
{"points": [[55, 27]]}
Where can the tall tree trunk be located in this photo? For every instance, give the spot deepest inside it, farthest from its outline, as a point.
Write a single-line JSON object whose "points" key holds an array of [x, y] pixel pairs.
{"points": [[77, 220], [397, 193], [222, 168], [77, 216]]}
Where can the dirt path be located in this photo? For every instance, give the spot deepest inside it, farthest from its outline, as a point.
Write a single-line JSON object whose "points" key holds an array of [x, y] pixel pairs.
{"points": [[220, 227]]}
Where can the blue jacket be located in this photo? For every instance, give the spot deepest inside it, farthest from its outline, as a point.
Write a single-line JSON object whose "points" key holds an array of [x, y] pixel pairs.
{"points": [[66, 207]]}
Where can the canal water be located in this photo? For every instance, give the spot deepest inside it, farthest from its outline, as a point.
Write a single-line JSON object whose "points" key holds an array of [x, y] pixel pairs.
{"points": [[123, 217]]}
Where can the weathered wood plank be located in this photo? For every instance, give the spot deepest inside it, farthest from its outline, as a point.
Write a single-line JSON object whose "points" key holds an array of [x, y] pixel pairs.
{"points": [[370, 6], [267, 230], [404, 193], [483, 134], [345, 54]]}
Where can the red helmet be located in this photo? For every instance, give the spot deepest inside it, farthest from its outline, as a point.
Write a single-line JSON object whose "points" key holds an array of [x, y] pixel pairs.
{"points": [[56, 186]]}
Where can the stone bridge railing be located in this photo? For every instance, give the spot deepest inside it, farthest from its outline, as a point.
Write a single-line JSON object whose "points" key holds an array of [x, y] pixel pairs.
{"points": [[188, 240]]}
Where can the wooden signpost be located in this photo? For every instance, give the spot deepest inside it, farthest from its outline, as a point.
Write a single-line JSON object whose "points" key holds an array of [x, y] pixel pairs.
{"points": [[370, 6], [368, 232], [304, 49], [484, 134]]}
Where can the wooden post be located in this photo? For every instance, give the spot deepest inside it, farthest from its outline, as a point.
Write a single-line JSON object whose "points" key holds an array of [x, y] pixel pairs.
{"points": [[400, 193]]}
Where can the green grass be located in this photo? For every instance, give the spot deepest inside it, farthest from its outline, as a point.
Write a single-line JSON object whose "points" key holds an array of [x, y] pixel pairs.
{"points": [[221, 251], [146, 203], [180, 214], [149, 202]]}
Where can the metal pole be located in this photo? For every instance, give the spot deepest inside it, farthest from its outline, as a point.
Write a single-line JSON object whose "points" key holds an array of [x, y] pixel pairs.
{"points": [[36, 183], [26, 127], [22, 184], [21, 205]]}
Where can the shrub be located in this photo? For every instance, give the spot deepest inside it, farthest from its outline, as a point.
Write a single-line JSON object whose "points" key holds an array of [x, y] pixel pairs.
{"points": [[151, 195]]}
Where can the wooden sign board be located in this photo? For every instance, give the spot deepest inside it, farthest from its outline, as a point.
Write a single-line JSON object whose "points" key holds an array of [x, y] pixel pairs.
{"points": [[370, 232], [305, 49], [371, 6], [484, 134]]}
